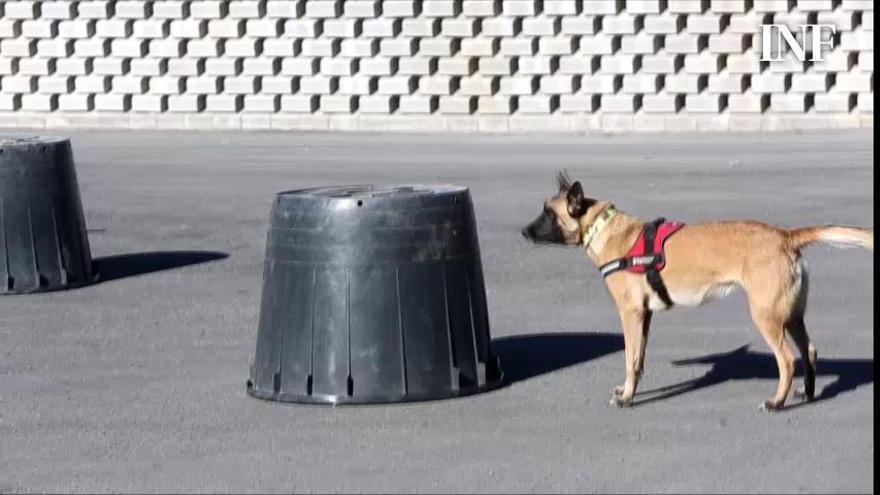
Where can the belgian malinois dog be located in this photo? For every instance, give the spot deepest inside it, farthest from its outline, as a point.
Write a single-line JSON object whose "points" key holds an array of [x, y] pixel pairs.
{"points": [[699, 262]]}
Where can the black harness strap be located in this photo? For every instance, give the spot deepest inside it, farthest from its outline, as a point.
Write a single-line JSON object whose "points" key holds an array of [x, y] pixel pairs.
{"points": [[649, 260]]}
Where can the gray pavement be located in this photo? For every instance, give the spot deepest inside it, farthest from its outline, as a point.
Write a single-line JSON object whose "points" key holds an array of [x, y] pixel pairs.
{"points": [[137, 384]]}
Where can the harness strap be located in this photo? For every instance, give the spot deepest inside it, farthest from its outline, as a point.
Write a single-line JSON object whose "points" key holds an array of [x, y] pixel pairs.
{"points": [[654, 278], [613, 266], [649, 260], [656, 282]]}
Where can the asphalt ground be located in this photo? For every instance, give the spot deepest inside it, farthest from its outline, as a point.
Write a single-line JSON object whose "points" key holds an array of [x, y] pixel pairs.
{"points": [[137, 384]]}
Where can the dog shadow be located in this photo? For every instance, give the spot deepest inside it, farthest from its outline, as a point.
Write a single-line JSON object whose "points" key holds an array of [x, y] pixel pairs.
{"points": [[121, 266], [527, 356], [744, 364]]}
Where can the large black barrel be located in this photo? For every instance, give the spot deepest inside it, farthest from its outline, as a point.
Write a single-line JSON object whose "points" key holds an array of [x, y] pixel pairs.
{"points": [[372, 295], [43, 240]]}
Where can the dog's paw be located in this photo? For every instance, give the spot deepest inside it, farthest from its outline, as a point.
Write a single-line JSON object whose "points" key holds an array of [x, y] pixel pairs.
{"points": [[617, 391], [620, 402], [770, 406], [801, 394]]}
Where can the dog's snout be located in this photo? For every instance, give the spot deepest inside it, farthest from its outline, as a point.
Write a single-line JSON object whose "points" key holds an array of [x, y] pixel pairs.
{"points": [[527, 232]]}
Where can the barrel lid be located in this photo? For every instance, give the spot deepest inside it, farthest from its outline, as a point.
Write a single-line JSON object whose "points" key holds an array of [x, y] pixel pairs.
{"points": [[373, 191]]}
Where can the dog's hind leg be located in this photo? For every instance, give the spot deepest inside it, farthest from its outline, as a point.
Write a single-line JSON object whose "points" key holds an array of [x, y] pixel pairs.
{"points": [[772, 327], [798, 333], [635, 323]]}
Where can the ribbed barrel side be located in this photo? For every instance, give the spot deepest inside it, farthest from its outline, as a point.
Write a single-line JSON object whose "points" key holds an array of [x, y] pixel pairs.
{"points": [[43, 238], [372, 295]]}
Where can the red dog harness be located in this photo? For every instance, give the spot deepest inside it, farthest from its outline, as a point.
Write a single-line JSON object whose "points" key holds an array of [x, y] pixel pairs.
{"points": [[646, 256]]}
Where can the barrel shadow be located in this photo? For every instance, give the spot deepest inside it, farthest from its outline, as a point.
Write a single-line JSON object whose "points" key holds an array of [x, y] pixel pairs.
{"points": [[120, 266], [743, 364], [527, 356]]}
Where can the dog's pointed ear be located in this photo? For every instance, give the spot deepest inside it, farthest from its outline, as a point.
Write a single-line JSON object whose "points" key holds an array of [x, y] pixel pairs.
{"points": [[563, 181], [577, 207]]}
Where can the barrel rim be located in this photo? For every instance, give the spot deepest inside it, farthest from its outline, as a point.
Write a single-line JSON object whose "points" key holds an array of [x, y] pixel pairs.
{"points": [[22, 140], [361, 191], [375, 400], [93, 280]]}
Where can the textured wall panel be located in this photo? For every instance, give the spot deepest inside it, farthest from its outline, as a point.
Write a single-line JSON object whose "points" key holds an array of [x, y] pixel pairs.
{"points": [[577, 65]]}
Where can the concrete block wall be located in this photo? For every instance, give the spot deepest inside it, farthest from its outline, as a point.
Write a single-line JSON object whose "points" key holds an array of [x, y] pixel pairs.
{"points": [[404, 65]]}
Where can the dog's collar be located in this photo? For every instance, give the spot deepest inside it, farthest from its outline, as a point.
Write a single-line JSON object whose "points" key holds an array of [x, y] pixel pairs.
{"points": [[598, 225]]}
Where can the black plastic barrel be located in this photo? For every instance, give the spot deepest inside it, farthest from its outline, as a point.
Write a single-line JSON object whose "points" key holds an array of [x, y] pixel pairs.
{"points": [[372, 295], [43, 240]]}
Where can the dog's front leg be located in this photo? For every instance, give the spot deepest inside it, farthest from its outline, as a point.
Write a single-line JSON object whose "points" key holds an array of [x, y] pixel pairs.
{"points": [[634, 322]]}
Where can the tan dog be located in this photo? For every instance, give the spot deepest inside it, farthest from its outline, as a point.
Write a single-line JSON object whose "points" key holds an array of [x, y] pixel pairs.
{"points": [[702, 261]]}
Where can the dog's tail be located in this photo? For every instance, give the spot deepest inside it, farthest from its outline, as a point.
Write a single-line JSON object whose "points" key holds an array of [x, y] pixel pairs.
{"points": [[833, 234]]}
